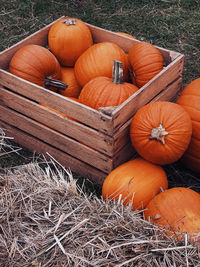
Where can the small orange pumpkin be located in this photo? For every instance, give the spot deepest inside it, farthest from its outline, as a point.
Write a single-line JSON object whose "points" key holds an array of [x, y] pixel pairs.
{"points": [[135, 182], [161, 132], [98, 61], [190, 101], [146, 61], [105, 92], [177, 209], [68, 77], [38, 65], [68, 38]]}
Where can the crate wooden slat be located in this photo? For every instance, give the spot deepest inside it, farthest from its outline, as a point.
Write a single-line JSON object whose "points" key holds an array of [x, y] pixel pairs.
{"points": [[93, 142], [77, 131], [34, 144], [62, 142]]}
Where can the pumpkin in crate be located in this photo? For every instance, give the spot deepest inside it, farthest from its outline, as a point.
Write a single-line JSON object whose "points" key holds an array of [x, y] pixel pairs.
{"points": [[68, 38], [105, 92], [135, 182], [38, 65], [177, 209], [160, 132], [190, 101], [98, 61], [68, 77], [146, 61]]}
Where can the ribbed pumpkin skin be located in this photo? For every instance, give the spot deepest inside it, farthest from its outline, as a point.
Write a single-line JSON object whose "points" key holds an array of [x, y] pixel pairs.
{"points": [[137, 180], [176, 208], [102, 92], [34, 63], [98, 61], [146, 61], [68, 77], [68, 42], [174, 119], [190, 101]]}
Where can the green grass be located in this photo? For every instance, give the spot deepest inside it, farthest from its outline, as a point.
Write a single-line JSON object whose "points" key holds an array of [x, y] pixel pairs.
{"points": [[171, 24]]}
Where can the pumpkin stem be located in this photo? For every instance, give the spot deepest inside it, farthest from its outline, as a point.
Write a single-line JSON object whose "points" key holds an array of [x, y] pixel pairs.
{"points": [[70, 22], [158, 134], [117, 74], [48, 82]]}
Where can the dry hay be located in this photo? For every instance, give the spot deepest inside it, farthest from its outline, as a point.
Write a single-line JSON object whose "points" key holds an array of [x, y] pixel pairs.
{"points": [[46, 221], [5, 146]]}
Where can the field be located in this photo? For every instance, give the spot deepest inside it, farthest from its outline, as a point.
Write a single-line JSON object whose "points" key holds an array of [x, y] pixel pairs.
{"points": [[169, 24], [48, 218]]}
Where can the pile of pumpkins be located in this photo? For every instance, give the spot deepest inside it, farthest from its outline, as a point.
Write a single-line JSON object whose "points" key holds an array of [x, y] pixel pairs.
{"points": [[162, 133], [102, 74], [94, 74]]}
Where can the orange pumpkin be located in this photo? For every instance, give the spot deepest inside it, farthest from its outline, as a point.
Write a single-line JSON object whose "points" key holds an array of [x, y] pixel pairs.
{"points": [[68, 77], [190, 101], [135, 182], [68, 38], [146, 61], [98, 61], [105, 92], [161, 132], [126, 35], [38, 65], [177, 209]]}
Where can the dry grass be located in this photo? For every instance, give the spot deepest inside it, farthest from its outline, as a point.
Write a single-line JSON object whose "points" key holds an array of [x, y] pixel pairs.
{"points": [[46, 221]]}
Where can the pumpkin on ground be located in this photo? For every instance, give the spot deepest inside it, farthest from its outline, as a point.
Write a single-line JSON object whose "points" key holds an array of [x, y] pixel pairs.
{"points": [[38, 65], [68, 38], [105, 92], [190, 101], [160, 132], [177, 209], [146, 61], [135, 182], [68, 77], [98, 61]]}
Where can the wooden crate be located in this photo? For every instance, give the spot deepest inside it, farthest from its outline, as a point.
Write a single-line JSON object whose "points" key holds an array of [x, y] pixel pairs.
{"points": [[98, 141]]}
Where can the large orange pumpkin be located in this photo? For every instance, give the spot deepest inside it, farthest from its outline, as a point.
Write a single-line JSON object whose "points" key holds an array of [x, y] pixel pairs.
{"points": [[98, 61], [105, 92], [146, 61], [38, 65], [68, 38], [177, 209], [135, 182], [190, 101], [161, 132], [68, 77]]}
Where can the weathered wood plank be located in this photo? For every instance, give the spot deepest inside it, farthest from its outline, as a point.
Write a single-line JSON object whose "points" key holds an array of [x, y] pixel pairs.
{"points": [[62, 142], [78, 131], [34, 144], [78, 111]]}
